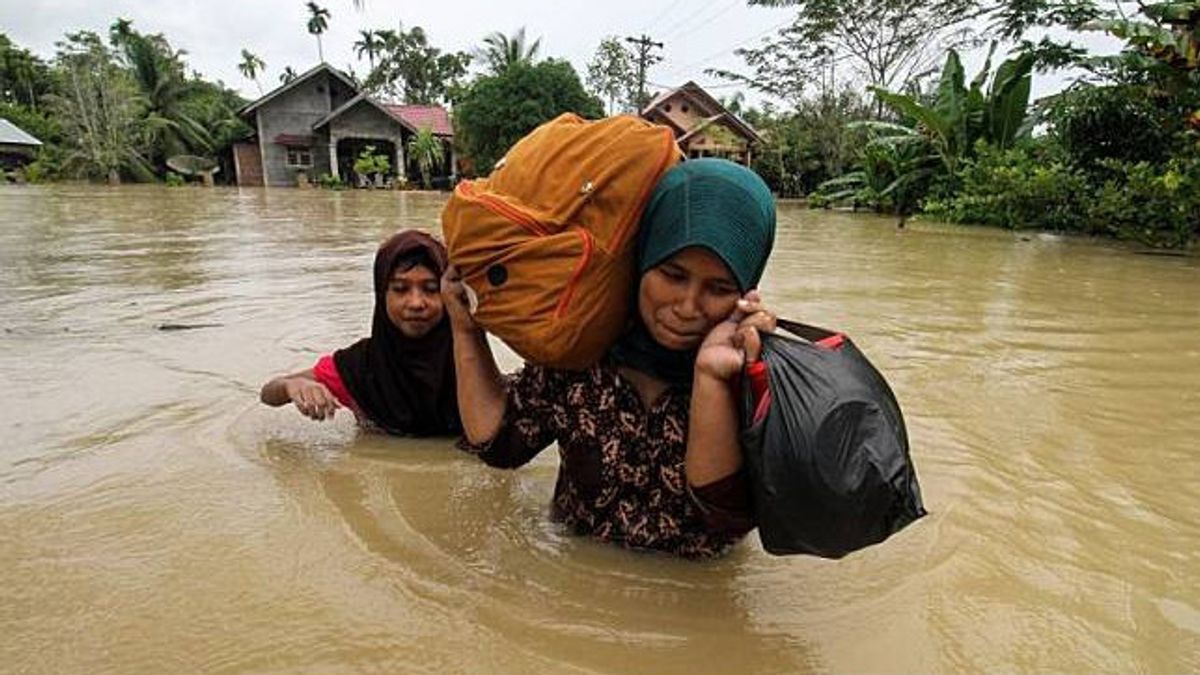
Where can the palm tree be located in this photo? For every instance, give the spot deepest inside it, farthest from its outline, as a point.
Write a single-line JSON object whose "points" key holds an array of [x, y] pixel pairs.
{"points": [[288, 75], [501, 51], [158, 72], [427, 150], [370, 43], [250, 67], [318, 21]]}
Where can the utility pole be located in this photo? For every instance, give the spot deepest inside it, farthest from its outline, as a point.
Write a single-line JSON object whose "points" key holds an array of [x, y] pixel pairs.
{"points": [[644, 60]]}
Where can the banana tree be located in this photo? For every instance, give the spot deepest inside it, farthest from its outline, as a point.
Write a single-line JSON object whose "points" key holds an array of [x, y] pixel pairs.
{"points": [[960, 115], [896, 166]]}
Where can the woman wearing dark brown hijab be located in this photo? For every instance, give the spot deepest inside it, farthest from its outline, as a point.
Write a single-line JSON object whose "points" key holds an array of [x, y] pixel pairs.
{"points": [[401, 379]]}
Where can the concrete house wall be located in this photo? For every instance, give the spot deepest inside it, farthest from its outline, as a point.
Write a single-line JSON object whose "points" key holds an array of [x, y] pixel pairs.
{"points": [[294, 112], [365, 121]]}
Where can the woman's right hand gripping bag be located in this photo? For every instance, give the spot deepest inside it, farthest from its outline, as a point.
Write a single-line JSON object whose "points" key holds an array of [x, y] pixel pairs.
{"points": [[829, 462]]}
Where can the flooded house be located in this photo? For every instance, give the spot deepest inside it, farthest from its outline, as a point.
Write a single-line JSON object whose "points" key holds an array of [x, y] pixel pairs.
{"points": [[17, 146], [320, 122], [703, 127]]}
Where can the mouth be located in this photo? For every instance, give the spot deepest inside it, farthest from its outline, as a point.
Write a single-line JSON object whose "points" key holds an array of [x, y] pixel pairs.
{"points": [[416, 325], [679, 335]]}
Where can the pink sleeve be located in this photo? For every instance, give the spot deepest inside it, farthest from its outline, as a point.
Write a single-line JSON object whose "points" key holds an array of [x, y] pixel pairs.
{"points": [[326, 372]]}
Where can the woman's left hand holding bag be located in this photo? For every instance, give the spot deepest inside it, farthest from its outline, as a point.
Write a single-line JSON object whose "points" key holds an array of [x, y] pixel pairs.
{"points": [[735, 342]]}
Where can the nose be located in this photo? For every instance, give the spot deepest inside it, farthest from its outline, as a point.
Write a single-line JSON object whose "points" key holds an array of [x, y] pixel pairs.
{"points": [[687, 307], [418, 300]]}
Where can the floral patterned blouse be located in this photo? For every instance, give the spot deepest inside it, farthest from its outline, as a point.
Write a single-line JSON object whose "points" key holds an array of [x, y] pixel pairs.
{"points": [[621, 476]]}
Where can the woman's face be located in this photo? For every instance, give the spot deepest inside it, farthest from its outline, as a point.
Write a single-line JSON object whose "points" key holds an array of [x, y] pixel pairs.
{"points": [[414, 303], [682, 298]]}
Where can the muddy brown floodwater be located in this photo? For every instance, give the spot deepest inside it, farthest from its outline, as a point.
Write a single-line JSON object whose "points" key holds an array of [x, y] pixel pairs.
{"points": [[156, 518]]}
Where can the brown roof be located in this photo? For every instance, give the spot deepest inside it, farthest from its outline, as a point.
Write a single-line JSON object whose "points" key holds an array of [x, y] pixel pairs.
{"points": [[699, 95], [659, 117], [434, 117]]}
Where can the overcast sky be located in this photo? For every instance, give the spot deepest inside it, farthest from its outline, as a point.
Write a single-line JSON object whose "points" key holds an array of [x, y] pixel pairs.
{"points": [[697, 34]]}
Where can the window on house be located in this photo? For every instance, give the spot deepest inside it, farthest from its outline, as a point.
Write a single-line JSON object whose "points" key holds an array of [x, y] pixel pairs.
{"points": [[667, 107], [684, 107], [299, 157]]}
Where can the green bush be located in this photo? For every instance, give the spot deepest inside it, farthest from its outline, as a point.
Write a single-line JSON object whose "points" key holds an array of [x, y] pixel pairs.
{"points": [[1157, 206], [1024, 187], [368, 163], [330, 182], [173, 179], [1034, 187]]}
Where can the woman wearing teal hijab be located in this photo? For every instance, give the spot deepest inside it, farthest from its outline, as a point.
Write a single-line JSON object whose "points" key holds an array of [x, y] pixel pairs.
{"points": [[649, 436]]}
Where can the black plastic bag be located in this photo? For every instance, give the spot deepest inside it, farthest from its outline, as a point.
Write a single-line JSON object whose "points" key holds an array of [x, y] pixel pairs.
{"points": [[829, 463]]}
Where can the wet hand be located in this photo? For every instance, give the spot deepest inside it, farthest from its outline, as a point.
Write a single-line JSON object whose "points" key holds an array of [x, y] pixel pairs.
{"points": [[312, 399], [736, 342], [454, 297]]}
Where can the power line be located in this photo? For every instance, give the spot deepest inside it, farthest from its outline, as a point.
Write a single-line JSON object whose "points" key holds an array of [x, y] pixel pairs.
{"points": [[660, 15], [689, 18], [720, 12], [728, 49]]}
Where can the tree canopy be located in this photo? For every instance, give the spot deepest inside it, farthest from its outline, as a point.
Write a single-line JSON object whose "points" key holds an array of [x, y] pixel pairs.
{"points": [[610, 74], [24, 78], [884, 43], [497, 110], [414, 71]]}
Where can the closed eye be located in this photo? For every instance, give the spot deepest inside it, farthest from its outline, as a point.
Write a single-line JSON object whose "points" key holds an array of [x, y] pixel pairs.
{"points": [[673, 273]]}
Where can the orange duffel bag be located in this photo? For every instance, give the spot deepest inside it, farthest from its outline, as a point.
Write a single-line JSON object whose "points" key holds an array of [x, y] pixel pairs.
{"points": [[545, 243]]}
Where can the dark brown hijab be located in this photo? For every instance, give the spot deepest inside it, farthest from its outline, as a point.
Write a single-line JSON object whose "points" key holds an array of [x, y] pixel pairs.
{"points": [[404, 385]]}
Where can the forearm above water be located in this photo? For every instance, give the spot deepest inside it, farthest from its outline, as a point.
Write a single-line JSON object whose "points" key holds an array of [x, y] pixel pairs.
{"points": [[481, 395]]}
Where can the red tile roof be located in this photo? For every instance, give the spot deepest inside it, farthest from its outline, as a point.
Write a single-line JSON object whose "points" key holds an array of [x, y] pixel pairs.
{"points": [[420, 116]]}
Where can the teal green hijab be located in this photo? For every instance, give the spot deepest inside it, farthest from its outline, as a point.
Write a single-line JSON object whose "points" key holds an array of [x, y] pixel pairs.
{"points": [[717, 205]]}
